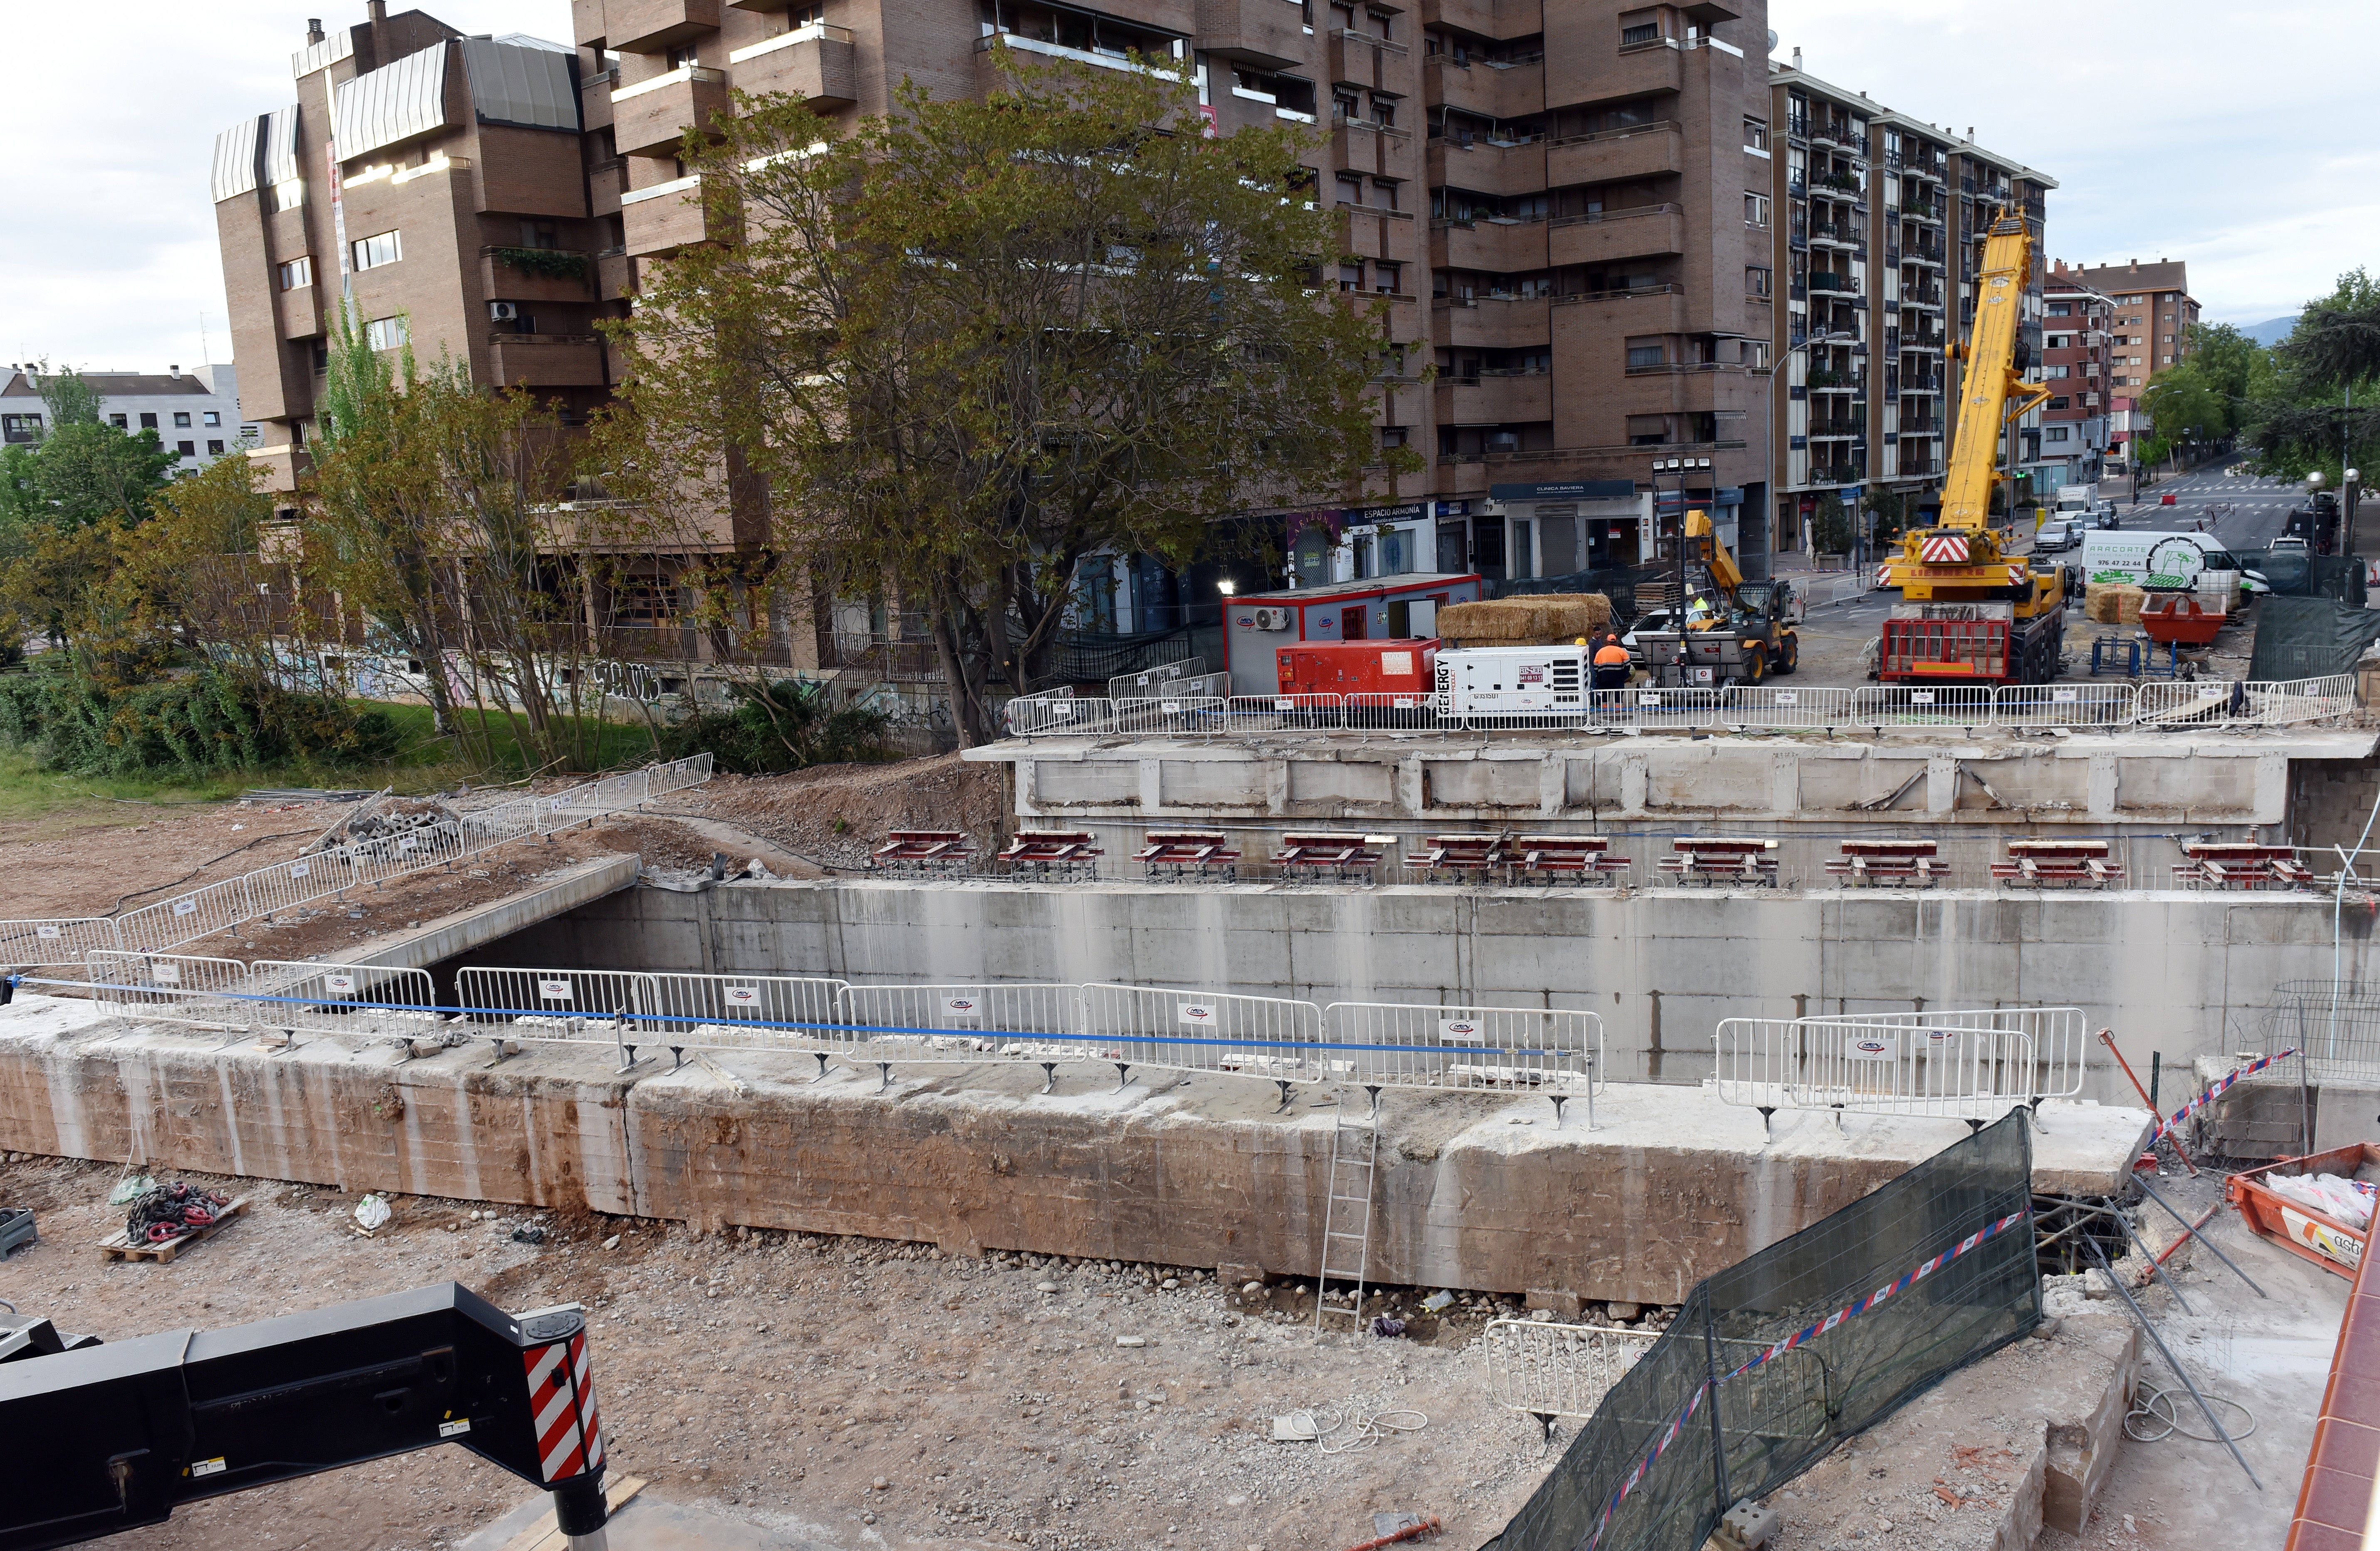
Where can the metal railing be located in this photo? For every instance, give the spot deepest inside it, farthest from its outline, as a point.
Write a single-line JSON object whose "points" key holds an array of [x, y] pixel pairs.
{"points": [[2197, 705], [1959, 1065], [320, 875], [1547, 1370]]}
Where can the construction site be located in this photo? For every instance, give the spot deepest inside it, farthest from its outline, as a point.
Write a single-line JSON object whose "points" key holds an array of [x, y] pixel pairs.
{"points": [[1310, 1122]]}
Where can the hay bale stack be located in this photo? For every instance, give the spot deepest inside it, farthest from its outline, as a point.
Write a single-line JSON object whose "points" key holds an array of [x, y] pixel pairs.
{"points": [[2113, 602], [1536, 619]]}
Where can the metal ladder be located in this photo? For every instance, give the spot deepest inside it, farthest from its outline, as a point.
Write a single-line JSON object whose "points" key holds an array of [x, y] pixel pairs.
{"points": [[1354, 1149]]}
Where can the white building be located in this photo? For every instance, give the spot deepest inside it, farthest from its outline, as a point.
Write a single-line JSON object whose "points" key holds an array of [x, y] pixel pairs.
{"points": [[194, 414]]}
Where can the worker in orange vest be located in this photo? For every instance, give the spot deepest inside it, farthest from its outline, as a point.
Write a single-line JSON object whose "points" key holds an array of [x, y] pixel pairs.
{"points": [[1611, 662]]}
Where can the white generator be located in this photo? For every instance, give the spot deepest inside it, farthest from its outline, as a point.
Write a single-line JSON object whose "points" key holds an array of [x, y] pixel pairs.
{"points": [[1509, 681]]}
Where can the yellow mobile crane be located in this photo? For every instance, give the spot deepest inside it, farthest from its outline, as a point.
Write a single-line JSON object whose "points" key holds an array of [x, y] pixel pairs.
{"points": [[1968, 611]]}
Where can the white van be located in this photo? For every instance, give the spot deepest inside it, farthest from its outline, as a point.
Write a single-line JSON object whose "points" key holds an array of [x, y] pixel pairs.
{"points": [[2168, 562]]}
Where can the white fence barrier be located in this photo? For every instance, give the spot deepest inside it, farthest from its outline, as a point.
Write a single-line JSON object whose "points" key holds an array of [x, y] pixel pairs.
{"points": [[369, 1000], [2199, 704], [36, 944], [1203, 1031], [1035, 1022], [1397, 1045], [1955, 1063], [1545, 1370]]}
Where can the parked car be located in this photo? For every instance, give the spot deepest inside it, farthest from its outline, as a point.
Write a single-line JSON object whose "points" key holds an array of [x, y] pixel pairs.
{"points": [[2058, 536]]}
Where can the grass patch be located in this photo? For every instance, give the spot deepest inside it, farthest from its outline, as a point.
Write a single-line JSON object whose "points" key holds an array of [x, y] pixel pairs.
{"points": [[59, 801]]}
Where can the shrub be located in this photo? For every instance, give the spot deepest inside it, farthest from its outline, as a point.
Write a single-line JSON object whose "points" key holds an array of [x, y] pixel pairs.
{"points": [[198, 724], [777, 727]]}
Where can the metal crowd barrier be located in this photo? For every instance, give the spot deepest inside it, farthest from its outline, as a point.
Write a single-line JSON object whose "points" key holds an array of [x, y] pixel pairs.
{"points": [[326, 874], [1970, 1065], [1546, 1370], [1559, 1053], [2201, 704]]}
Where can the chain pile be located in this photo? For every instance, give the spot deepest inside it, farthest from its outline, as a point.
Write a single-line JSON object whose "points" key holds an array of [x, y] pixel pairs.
{"points": [[163, 1213]]}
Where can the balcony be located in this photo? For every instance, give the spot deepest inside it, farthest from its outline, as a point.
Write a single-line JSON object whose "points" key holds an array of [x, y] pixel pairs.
{"points": [[535, 274], [1831, 234], [543, 360], [1500, 19], [816, 61], [660, 220], [1838, 188], [1486, 167], [1927, 171], [1638, 151], [1587, 73], [1473, 472], [1926, 253], [1267, 34], [1644, 310], [615, 274], [595, 100], [1493, 244], [1640, 232], [1924, 298], [1921, 426], [1494, 398], [297, 311], [606, 181], [1360, 59], [1915, 386], [1497, 91], [1360, 146], [649, 26], [1491, 322], [651, 117], [1837, 382]]}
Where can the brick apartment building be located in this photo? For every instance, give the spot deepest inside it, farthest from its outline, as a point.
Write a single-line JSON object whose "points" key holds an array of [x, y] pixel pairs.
{"points": [[194, 414], [2153, 314], [457, 211], [2077, 354], [1875, 249], [1609, 227]]}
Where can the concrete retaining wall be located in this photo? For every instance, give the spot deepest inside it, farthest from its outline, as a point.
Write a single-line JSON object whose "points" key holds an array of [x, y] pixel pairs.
{"points": [[2183, 972], [1669, 1188]]}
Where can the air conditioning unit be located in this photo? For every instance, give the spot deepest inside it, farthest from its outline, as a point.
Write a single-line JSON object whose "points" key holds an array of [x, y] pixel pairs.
{"points": [[1272, 619], [503, 312]]}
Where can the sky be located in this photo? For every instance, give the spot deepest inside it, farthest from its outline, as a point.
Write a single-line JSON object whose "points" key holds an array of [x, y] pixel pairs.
{"points": [[2188, 129]]}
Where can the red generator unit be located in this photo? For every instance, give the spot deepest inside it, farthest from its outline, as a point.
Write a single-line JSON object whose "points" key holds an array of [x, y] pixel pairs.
{"points": [[1394, 667]]}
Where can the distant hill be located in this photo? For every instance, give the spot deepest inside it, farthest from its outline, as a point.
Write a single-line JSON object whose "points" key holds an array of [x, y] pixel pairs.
{"points": [[2271, 332]]}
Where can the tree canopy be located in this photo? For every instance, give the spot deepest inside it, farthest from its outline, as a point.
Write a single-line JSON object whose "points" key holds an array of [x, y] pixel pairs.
{"points": [[975, 342]]}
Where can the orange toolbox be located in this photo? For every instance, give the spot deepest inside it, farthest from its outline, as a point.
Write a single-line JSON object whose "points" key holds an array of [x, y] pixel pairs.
{"points": [[2300, 1228]]}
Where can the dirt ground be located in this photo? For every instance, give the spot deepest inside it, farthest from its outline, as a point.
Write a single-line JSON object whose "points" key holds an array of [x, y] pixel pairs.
{"points": [[834, 815], [877, 1392]]}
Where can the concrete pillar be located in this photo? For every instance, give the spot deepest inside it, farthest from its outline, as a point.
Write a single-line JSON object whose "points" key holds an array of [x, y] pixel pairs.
{"points": [[1553, 785], [2103, 786], [1941, 783], [2271, 801], [1785, 781], [1152, 795], [1633, 784], [1276, 785]]}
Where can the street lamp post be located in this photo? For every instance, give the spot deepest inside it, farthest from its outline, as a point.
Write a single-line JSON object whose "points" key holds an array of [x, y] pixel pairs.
{"points": [[2351, 490]]}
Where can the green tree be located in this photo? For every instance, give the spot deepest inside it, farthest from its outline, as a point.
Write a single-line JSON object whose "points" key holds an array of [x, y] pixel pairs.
{"points": [[975, 342], [2316, 404]]}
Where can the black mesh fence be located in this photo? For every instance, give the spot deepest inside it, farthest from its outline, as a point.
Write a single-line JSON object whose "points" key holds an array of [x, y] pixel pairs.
{"points": [[1780, 1357]]}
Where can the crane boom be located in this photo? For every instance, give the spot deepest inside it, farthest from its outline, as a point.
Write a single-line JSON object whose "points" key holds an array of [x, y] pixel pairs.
{"points": [[1993, 391]]}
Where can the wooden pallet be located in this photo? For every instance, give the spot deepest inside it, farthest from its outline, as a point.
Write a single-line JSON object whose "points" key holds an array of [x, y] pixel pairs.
{"points": [[117, 1246]]}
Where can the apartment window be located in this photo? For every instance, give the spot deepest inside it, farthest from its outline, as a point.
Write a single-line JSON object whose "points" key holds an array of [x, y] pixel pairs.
{"points": [[1756, 354], [1755, 210], [214, 448], [2168, 339], [684, 58], [1392, 436], [1755, 134], [1384, 114], [373, 252], [1384, 24], [297, 272], [1349, 189], [321, 354], [1351, 277], [2167, 361], [2053, 371], [1345, 106], [1650, 352], [1384, 195], [1386, 277], [117, 422], [188, 449], [2059, 309], [148, 422], [2056, 404], [23, 428], [540, 234], [1756, 282], [385, 333], [2054, 433], [1639, 32], [212, 417], [288, 194]]}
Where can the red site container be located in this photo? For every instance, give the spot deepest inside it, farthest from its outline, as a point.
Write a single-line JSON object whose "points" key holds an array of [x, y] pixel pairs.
{"points": [[1390, 667], [2302, 1230]]}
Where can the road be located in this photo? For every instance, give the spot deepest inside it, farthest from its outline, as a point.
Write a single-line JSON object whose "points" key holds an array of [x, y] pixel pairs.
{"points": [[2258, 508]]}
